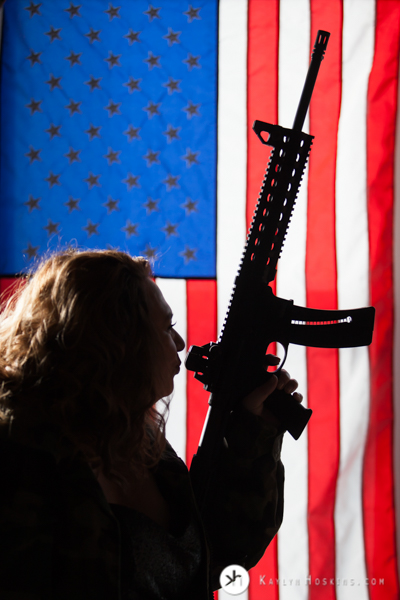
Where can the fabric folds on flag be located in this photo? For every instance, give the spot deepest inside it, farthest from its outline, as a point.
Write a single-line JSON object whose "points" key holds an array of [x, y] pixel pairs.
{"points": [[161, 68]]}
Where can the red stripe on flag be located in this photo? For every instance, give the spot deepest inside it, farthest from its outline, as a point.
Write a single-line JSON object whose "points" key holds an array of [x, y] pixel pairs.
{"points": [[378, 485], [6, 283], [262, 89], [201, 329], [7, 287], [262, 104], [321, 291]]}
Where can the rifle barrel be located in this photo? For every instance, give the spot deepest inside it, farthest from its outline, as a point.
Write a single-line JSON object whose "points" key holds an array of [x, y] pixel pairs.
{"points": [[320, 45]]}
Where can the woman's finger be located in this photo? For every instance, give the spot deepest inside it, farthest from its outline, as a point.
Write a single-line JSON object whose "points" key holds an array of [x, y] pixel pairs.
{"points": [[291, 386], [297, 396], [271, 360], [255, 400]]}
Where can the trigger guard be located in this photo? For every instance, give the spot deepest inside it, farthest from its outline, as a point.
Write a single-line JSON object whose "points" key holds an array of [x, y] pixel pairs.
{"points": [[282, 359]]}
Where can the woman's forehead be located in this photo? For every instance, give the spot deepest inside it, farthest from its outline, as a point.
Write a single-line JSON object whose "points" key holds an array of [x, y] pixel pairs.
{"points": [[157, 301]]}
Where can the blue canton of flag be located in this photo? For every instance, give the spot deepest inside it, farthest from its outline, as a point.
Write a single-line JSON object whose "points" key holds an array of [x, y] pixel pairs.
{"points": [[108, 131]]}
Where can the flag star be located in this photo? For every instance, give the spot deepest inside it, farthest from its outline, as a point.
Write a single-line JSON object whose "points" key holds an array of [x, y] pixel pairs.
{"points": [[152, 61], [51, 227], [191, 110], [34, 58], [93, 83], [151, 206], [92, 180], [34, 106], [172, 85], [132, 133], [132, 36], [33, 203], [91, 228], [172, 133], [93, 131], [131, 181], [33, 9], [152, 13], [150, 253], [93, 35], [33, 155], [73, 10], [170, 229], [113, 108], [111, 205], [151, 157], [172, 37], [192, 61], [133, 84], [152, 109], [54, 82], [73, 107], [113, 12], [72, 204], [190, 157], [53, 179], [171, 181], [31, 251], [113, 60], [130, 229], [72, 155], [74, 58], [54, 34], [53, 131], [112, 156], [192, 13], [188, 254], [190, 206]]}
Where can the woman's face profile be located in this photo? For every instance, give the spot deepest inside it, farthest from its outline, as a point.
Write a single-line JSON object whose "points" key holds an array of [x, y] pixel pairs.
{"points": [[170, 341]]}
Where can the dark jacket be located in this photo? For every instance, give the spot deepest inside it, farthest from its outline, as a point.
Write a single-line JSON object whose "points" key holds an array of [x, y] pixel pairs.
{"points": [[59, 538]]}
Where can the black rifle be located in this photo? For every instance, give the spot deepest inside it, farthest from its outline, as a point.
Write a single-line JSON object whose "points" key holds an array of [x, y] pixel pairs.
{"points": [[234, 366]]}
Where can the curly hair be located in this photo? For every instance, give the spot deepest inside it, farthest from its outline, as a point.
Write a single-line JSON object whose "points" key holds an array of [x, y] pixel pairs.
{"points": [[79, 353]]}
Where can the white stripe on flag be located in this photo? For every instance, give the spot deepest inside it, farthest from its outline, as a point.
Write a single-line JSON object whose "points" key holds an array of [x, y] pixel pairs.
{"points": [[232, 146], [174, 291], [294, 58], [353, 277], [232, 155]]}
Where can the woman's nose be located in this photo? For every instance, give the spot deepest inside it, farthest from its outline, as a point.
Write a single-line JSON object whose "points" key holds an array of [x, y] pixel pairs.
{"points": [[179, 342]]}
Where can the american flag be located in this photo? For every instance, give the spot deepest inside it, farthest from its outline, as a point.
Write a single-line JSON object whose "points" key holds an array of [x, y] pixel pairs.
{"points": [[204, 72], [101, 105]]}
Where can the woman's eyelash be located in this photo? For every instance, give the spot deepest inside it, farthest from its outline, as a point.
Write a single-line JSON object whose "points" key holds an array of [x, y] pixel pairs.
{"points": [[172, 325]]}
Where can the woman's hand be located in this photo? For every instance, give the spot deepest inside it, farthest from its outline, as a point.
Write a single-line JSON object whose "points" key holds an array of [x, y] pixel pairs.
{"points": [[254, 402]]}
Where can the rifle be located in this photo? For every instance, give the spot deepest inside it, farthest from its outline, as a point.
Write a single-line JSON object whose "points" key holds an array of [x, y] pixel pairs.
{"points": [[234, 366]]}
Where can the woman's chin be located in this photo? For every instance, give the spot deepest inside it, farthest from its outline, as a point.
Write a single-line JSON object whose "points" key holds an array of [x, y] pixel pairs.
{"points": [[165, 392]]}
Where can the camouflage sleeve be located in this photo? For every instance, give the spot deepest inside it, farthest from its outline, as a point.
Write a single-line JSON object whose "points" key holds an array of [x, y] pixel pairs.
{"points": [[247, 494]]}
